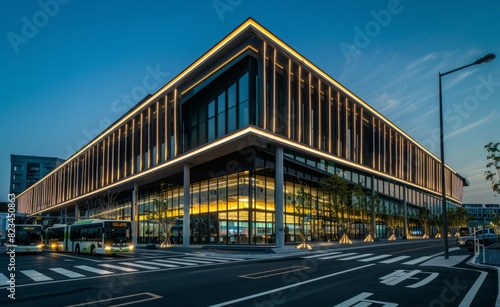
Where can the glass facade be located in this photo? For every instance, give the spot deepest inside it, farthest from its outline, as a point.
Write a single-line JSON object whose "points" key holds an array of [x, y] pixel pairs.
{"points": [[223, 117]]}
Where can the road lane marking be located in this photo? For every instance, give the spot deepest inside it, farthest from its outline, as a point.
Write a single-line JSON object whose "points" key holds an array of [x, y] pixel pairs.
{"points": [[159, 264], [67, 273], [189, 260], [414, 249], [36, 276], [337, 256], [424, 281], [320, 255], [398, 276], [207, 258], [361, 300], [375, 258], [175, 262], [355, 257], [418, 260], [467, 301], [143, 266], [224, 258], [117, 267], [392, 260], [275, 272], [3, 279], [148, 297], [241, 299], [93, 270]]}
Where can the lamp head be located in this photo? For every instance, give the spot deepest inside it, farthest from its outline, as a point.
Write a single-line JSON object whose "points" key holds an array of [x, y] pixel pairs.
{"points": [[485, 59]]}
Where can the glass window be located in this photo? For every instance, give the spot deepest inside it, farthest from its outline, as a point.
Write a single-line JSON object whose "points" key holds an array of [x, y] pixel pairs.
{"points": [[243, 87], [231, 119], [231, 96], [243, 114], [211, 129], [221, 124], [211, 109], [221, 103]]}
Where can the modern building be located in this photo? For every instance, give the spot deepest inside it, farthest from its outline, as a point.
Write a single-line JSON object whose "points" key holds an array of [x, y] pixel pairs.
{"points": [[482, 214], [229, 147], [27, 170]]}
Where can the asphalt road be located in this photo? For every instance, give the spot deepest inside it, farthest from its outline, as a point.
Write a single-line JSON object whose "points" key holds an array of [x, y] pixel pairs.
{"points": [[401, 273]]}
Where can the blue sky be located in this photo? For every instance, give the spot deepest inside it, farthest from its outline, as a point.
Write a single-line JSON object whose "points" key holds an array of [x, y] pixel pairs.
{"points": [[70, 68]]}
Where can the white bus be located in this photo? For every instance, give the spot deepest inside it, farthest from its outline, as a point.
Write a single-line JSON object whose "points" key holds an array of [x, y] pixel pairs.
{"points": [[94, 236], [24, 238]]}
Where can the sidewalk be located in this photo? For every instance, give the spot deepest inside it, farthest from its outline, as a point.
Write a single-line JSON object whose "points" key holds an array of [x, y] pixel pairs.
{"points": [[491, 256], [271, 251]]}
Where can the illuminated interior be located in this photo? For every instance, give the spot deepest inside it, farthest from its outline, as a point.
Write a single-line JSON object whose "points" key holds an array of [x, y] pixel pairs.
{"points": [[224, 116]]}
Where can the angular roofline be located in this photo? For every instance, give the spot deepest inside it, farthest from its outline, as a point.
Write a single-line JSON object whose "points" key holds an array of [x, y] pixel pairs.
{"points": [[259, 29]]}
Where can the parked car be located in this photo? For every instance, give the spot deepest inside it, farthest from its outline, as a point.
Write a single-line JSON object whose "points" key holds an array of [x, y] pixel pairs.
{"points": [[486, 235]]}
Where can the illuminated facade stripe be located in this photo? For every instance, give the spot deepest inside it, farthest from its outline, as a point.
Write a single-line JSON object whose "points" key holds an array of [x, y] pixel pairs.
{"points": [[153, 137]]}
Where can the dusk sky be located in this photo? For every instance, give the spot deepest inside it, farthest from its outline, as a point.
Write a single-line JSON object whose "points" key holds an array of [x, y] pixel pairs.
{"points": [[71, 68]]}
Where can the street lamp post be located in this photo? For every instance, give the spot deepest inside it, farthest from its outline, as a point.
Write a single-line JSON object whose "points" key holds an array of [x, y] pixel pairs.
{"points": [[486, 59]]}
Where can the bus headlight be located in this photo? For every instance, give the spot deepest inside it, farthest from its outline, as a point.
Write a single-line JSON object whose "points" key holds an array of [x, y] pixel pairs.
{"points": [[107, 248]]}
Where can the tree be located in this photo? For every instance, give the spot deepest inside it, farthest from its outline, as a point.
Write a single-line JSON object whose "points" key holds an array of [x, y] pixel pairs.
{"points": [[425, 220], [393, 215], [303, 206], [339, 201], [493, 166], [458, 217], [437, 221], [104, 204], [162, 214], [368, 207], [495, 224]]}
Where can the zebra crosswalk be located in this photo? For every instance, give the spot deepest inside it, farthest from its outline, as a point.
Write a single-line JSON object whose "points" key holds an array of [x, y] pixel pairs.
{"points": [[103, 269], [370, 257]]}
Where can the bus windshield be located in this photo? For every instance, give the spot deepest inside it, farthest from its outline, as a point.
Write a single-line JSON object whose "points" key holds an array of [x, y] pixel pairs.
{"points": [[27, 235], [117, 233]]}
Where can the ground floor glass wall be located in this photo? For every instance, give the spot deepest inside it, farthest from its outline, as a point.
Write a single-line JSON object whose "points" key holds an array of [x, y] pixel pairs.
{"points": [[240, 208]]}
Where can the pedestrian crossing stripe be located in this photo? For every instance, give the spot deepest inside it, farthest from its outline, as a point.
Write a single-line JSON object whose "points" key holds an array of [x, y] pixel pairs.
{"points": [[209, 259], [3, 279], [36, 276], [123, 266], [375, 258], [139, 265], [337, 256], [392, 260], [190, 260], [355, 257], [107, 265], [175, 262], [94, 270], [67, 273], [418, 260], [321, 255], [368, 257]]}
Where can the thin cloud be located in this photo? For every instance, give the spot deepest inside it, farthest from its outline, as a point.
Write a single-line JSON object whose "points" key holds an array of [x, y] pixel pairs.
{"points": [[490, 117]]}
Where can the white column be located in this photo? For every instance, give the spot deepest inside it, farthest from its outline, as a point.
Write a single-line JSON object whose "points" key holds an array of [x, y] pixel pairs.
{"points": [[77, 214], [279, 200], [405, 212], [187, 205]]}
